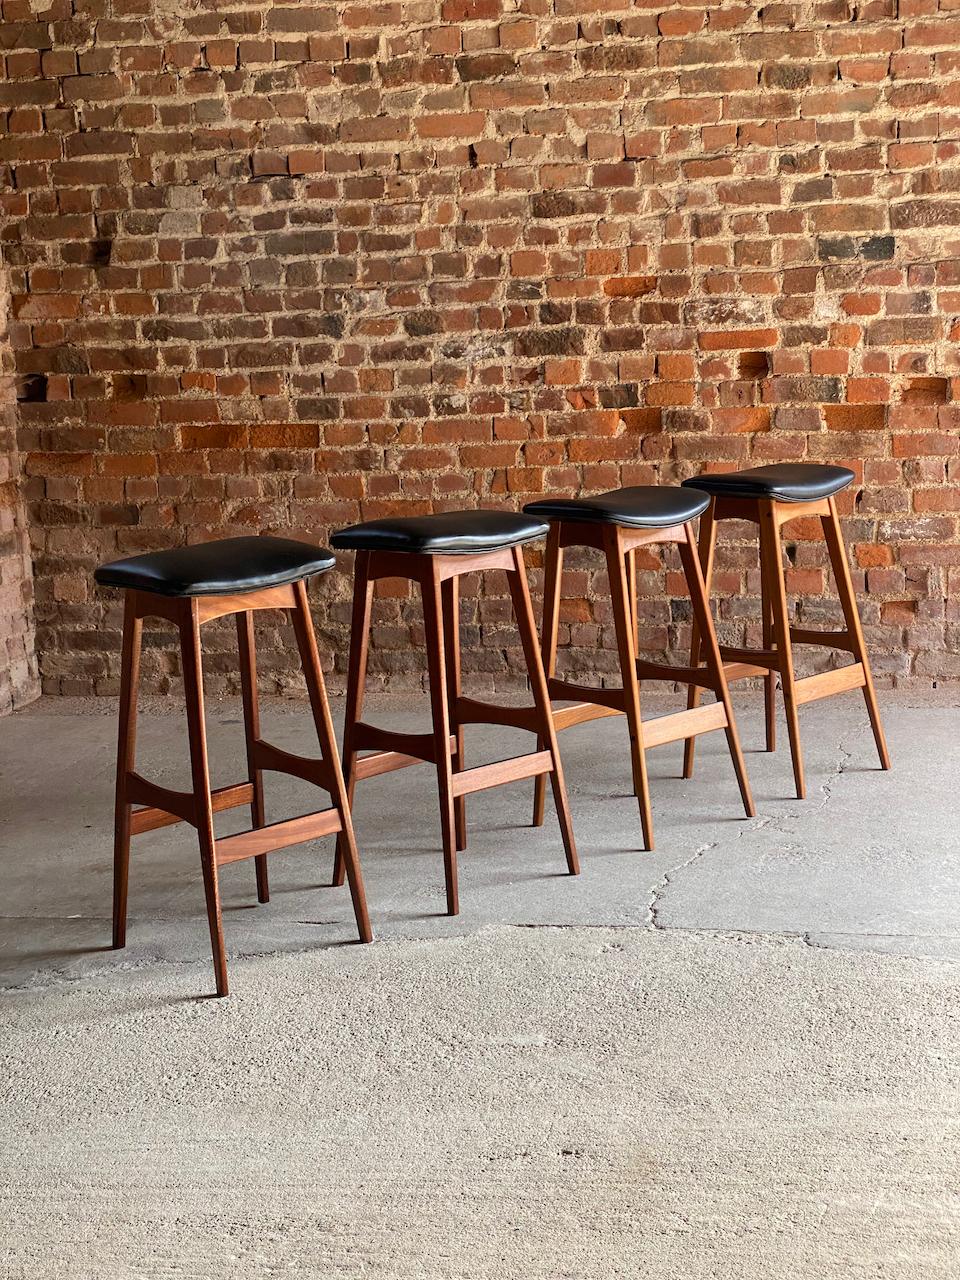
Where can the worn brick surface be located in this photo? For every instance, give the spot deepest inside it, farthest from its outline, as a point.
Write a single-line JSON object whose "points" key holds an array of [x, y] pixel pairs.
{"points": [[470, 251], [19, 680]]}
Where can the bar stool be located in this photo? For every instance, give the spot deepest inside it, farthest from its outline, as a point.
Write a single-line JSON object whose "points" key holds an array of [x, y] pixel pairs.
{"points": [[189, 586], [617, 523], [769, 497], [435, 551]]}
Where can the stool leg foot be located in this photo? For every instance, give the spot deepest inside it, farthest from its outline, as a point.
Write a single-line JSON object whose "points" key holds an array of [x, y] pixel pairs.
{"points": [[623, 619], [833, 534], [356, 685], [436, 666], [196, 729], [313, 673], [552, 577], [450, 594], [708, 539], [246, 642], [126, 752], [771, 552], [714, 662], [523, 612]]}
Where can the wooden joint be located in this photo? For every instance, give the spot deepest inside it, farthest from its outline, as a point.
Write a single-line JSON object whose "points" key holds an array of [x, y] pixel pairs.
{"points": [[764, 659], [472, 711], [388, 761], [565, 691], [266, 756], [156, 816], [829, 639], [367, 737], [698, 676]]}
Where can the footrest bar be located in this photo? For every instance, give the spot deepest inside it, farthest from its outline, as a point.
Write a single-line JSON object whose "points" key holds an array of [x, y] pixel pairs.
{"points": [[743, 670], [580, 713], [684, 724], [810, 688], [492, 775], [278, 835], [154, 817]]}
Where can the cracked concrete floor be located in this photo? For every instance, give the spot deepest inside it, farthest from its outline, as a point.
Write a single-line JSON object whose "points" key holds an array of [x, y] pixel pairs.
{"points": [[733, 1056]]}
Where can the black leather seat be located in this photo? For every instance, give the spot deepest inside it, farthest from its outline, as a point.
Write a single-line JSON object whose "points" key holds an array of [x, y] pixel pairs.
{"points": [[447, 532], [641, 506], [782, 481], [225, 567]]}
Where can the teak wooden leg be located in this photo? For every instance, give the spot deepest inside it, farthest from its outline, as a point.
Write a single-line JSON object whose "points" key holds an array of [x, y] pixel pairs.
{"points": [[356, 685], [713, 661], [203, 804], [833, 534], [771, 555], [623, 619], [313, 673], [246, 643], [450, 592], [552, 577], [523, 611], [436, 667], [126, 755], [707, 548]]}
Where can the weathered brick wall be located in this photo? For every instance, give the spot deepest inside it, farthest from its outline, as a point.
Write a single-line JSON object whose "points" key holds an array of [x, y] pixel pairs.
{"points": [[19, 680], [473, 250]]}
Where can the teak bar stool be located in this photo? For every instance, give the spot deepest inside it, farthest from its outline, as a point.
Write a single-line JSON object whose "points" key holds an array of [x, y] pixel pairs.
{"points": [[189, 586], [435, 551], [617, 523], [769, 497]]}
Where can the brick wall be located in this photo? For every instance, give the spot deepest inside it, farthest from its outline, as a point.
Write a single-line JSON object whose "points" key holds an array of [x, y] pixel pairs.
{"points": [[19, 682], [469, 251]]}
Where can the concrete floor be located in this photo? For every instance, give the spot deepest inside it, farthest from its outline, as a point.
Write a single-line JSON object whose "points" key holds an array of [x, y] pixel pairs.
{"points": [[735, 1055]]}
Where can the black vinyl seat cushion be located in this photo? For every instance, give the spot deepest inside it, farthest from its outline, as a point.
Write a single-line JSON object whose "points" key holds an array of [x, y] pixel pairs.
{"points": [[782, 481], [641, 506], [445, 533], [224, 567]]}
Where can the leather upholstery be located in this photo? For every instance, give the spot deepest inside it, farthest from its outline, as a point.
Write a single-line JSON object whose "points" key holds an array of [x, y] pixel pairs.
{"points": [[640, 506], [218, 568], [445, 533], [783, 481]]}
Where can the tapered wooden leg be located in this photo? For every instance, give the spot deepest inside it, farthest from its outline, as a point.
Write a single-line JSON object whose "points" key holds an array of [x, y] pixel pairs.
{"points": [[246, 642], [770, 680], [450, 592], [714, 663], [126, 753], [356, 685], [623, 625], [316, 688], [708, 541], [833, 534], [436, 666], [523, 611], [196, 728], [771, 556], [552, 578]]}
